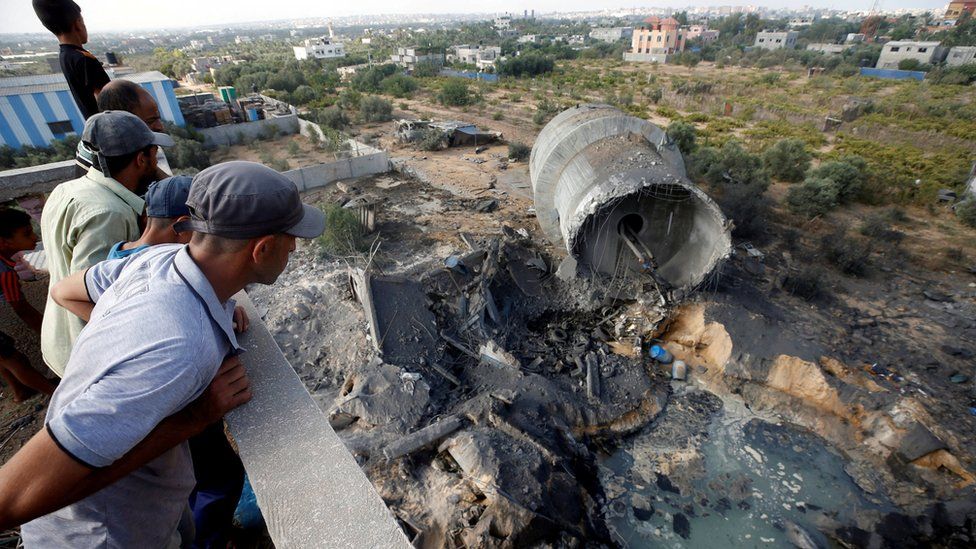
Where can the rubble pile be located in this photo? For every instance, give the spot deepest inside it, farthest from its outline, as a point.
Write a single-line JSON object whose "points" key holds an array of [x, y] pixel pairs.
{"points": [[496, 374]]}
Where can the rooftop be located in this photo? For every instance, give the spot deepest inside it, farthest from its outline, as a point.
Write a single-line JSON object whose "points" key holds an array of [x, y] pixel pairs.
{"points": [[17, 85]]}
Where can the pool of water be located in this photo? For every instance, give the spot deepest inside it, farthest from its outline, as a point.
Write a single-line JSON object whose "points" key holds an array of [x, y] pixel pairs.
{"points": [[757, 476]]}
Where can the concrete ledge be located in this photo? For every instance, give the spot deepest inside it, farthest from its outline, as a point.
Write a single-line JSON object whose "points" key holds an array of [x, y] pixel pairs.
{"points": [[34, 179], [309, 488]]}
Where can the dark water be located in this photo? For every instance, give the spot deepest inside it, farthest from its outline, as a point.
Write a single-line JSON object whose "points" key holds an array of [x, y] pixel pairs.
{"points": [[757, 476]]}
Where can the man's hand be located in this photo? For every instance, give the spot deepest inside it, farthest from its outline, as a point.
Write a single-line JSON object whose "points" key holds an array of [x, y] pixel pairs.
{"points": [[241, 322], [229, 389]]}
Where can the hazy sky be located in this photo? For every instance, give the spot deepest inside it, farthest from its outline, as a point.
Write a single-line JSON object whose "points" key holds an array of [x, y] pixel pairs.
{"points": [[105, 15]]}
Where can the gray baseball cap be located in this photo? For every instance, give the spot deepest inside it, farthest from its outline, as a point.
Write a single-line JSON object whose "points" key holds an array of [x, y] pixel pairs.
{"points": [[242, 200], [118, 133]]}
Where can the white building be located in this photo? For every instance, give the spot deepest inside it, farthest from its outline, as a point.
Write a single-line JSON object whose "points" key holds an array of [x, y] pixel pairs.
{"points": [[320, 48], [481, 56], [242, 40], [800, 22], [612, 34], [775, 40], [961, 55], [410, 57], [854, 38], [897, 51], [528, 39], [503, 23]]}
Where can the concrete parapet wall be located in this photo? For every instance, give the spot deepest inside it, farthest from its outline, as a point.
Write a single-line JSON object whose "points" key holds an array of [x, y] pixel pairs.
{"points": [[34, 179], [231, 134], [310, 489], [311, 177]]}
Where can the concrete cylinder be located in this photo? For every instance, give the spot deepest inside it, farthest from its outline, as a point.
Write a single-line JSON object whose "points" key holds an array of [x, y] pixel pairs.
{"points": [[598, 173]]}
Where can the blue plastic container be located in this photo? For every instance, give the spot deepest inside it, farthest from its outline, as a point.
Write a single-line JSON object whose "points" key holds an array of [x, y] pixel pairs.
{"points": [[661, 354]]}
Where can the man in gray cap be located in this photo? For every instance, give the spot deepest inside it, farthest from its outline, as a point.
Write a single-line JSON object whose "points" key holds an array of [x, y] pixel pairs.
{"points": [[84, 217], [155, 365]]}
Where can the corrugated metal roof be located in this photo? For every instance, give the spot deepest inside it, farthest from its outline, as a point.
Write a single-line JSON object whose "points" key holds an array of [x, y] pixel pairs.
{"points": [[18, 85]]}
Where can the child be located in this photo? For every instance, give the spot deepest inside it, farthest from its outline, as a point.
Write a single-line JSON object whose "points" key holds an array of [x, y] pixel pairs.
{"points": [[17, 234], [165, 207], [81, 69]]}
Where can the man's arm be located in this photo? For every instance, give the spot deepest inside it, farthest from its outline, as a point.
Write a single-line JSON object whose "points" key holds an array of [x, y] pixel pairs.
{"points": [[28, 314], [72, 294], [42, 477]]}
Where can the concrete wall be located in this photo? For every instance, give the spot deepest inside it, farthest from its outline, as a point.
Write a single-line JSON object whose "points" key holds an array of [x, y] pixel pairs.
{"points": [[924, 52], [34, 179], [646, 57], [961, 55], [358, 160], [230, 134]]}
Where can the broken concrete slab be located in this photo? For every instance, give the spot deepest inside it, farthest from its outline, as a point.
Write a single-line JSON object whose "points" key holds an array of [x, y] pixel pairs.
{"points": [[918, 442], [400, 322], [418, 439], [382, 395]]}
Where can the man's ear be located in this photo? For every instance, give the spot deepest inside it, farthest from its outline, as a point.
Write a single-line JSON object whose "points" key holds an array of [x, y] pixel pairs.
{"points": [[178, 220], [263, 247]]}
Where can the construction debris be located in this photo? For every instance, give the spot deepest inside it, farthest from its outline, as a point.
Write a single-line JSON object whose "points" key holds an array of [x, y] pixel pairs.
{"points": [[455, 133]]}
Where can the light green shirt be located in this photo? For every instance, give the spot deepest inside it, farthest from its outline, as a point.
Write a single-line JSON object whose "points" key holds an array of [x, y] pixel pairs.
{"points": [[81, 221]]}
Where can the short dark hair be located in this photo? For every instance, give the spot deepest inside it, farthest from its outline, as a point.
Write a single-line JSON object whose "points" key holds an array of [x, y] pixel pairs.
{"points": [[119, 163], [57, 16], [11, 220], [119, 95]]}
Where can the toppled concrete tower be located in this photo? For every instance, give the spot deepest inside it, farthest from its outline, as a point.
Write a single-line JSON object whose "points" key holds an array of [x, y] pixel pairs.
{"points": [[613, 189]]}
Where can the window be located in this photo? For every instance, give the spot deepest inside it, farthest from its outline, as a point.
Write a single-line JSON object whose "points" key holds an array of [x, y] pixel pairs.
{"points": [[908, 48], [922, 50], [894, 48], [61, 127], [659, 38], [762, 39]]}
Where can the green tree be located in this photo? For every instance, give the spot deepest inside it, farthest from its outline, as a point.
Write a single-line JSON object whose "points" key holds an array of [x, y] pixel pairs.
{"points": [[399, 85], [682, 134], [848, 175], [375, 109], [454, 93], [815, 196], [787, 160]]}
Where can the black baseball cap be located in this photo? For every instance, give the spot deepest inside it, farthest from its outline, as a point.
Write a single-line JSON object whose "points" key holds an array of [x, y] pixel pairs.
{"points": [[242, 200]]}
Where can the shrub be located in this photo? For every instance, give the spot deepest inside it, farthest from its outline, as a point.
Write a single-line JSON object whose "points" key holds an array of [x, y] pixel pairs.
{"points": [[655, 95], [187, 153], [734, 165], [303, 94], [269, 132], [876, 227], [787, 160], [815, 197], [530, 64], [426, 69], [846, 253], [333, 117], [848, 175], [399, 85], [375, 109], [431, 139], [966, 211], [747, 207], [294, 149], [683, 135], [807, 283], [498, 115], [518, 151], [454, 93], [343, 234]]}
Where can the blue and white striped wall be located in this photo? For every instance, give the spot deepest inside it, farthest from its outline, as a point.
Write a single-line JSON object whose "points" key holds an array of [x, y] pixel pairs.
{"points": [[24, 117]]}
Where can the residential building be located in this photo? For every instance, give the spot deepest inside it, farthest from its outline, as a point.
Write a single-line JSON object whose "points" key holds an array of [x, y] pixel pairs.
{"points": [[481, 56], [961, 55], [702, 33], [611, 34], [242, 40], [204, 64], [528, 39], [800, 22], [503, 23], [35, 110], [955, 9], [854, 38], [324, 47], [893, 53], [410, 57], [775, 40], [656, 40]]}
